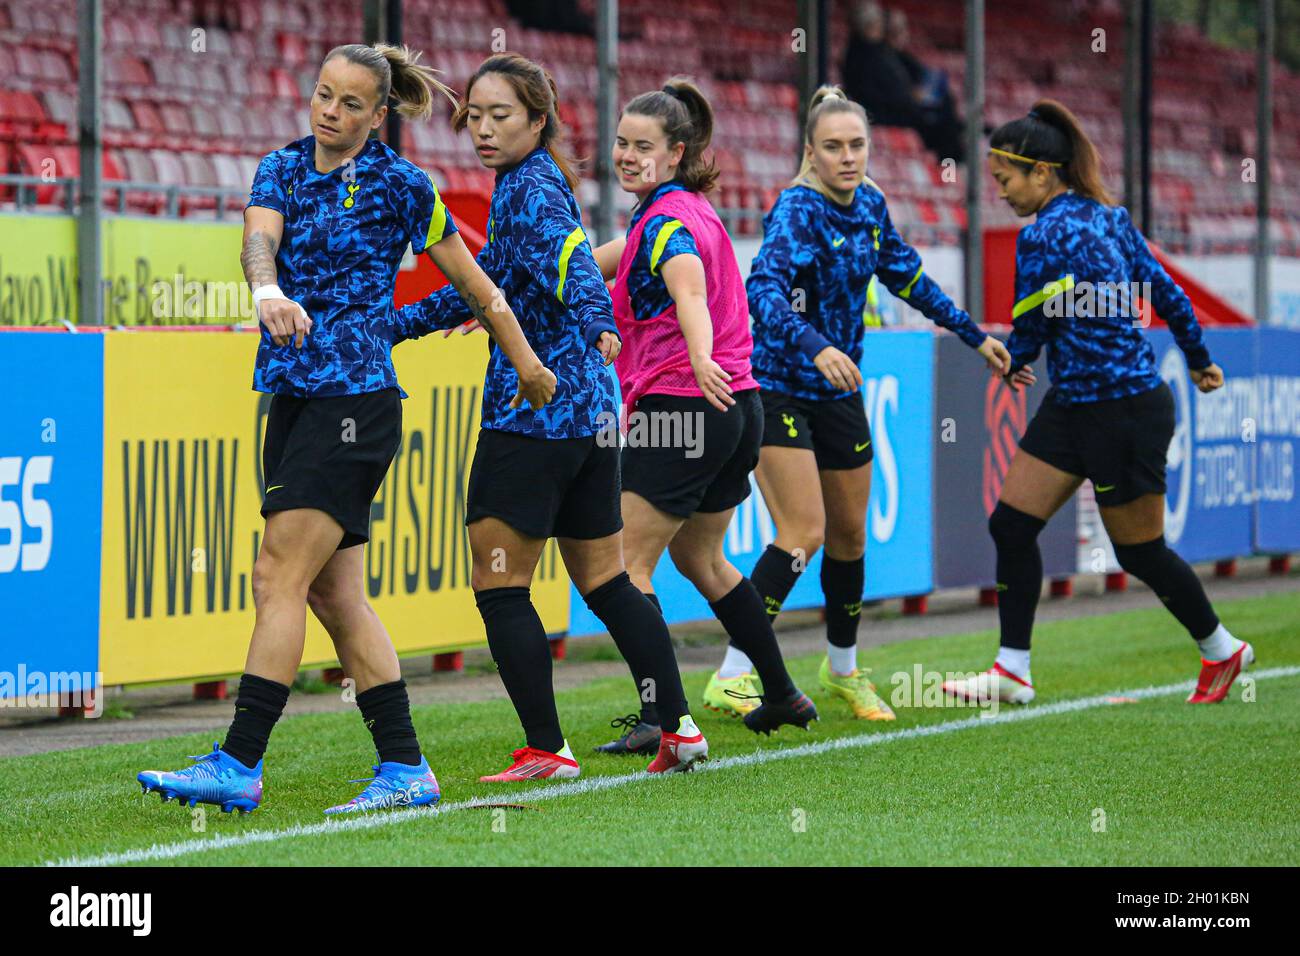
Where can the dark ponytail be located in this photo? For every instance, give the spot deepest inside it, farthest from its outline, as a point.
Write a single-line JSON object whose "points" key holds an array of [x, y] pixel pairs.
{"points": [[537, 93], [687, 118], [1052, 134]]}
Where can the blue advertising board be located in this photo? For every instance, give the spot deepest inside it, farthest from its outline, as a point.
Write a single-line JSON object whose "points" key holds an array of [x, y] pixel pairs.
{"points": [[1209, 509], [1277, 387], [898, 371], [51, 481]]}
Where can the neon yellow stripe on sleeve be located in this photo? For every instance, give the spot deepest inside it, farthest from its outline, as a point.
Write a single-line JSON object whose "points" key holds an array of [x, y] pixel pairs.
{"points": [[907, 290], [1052, 289], [661, 242], [438, 221], [570, 244]]}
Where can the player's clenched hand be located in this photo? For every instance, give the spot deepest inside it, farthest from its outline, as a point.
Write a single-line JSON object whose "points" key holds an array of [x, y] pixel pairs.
{"points": [[285, 320], [996, 355], [609, 346], [536, 386], [1209, 378]]}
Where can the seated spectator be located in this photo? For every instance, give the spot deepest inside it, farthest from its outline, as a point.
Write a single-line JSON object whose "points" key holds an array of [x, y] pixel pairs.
{"points": [[873, 74], [894, 87], [941, 128]]}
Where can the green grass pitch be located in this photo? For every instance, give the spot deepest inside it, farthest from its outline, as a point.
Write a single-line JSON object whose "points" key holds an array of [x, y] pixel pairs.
{"points": [[1151, 782]]}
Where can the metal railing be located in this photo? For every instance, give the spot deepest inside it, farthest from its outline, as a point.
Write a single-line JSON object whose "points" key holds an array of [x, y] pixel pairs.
{"points": [[27, 188], [738, 220]]}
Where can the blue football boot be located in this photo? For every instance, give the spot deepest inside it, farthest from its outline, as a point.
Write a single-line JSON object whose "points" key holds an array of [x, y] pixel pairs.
{"points": [[216, 778], [394, 785]]}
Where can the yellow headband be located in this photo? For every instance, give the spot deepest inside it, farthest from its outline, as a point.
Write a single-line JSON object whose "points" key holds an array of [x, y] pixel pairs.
{"points": [[1023, 159]]}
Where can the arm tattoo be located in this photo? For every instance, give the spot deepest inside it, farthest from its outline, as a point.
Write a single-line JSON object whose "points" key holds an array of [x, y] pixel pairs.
{"points": [[258, 260], [480, 313]]}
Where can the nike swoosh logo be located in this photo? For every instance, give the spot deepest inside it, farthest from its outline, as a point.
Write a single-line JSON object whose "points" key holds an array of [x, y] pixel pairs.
{"points": [[273, 488], [861, 447], [837, 242], [1102, 489]]}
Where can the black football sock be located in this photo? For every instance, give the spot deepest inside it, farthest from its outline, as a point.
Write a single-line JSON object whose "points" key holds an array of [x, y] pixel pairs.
{"points": [[258, 706], [386, 710], [518, 644], [649, 713], [774, 576], [746, 621], [842, 585], [1019, 571], [1174, 582], [642, 637]]}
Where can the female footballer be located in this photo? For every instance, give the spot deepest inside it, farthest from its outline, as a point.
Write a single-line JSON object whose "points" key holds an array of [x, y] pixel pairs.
{"points": [[1109, 416], [828, 233], [324, 233], [550, 471], [682, 314]]}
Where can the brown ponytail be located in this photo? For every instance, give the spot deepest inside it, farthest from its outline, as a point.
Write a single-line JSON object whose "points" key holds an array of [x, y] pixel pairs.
{"points": [[686, 117], [399, 77], [537, 93], [1052, 134]]}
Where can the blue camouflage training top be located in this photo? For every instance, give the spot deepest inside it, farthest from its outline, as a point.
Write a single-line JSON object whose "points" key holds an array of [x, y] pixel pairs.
{"points": [[538, 255], [1074, 266], [808, 286], [662, 238], [345, 233]]}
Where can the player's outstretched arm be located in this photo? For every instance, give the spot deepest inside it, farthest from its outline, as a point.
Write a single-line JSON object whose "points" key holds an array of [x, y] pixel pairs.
{"points": [[284, 319], [488, 303]]}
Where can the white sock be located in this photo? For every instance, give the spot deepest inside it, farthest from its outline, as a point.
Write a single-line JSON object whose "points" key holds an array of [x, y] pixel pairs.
{"points": [[1015, 661], [844, 660], [1219, 646], [735, 663]]}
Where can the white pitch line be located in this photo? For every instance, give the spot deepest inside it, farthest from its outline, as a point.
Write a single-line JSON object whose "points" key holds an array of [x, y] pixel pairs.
{"points": [[170, 851]]}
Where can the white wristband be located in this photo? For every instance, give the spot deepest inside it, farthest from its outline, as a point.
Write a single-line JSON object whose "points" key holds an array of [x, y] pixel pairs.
{"points": [[267, 292], [262, 293]]}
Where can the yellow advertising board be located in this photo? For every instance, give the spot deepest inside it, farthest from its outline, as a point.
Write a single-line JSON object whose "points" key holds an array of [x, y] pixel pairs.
{"points": [[156, 271], [183, 488]]}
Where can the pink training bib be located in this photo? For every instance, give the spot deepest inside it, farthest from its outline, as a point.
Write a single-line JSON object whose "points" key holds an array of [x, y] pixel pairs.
{"points": [[654, 358]]}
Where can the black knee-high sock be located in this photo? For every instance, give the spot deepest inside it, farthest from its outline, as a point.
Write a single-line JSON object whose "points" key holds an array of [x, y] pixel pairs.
{"points": [[1174, 582], [743, 616], [774, 576], [842, 585], [1019, 570], [258, 706], [518, 644], [386, 710], [649, 713], [642, 638]]}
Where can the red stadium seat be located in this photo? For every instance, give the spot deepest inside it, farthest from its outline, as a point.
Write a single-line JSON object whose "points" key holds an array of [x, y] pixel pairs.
{"points": [[292, 48], [283, 84]]}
